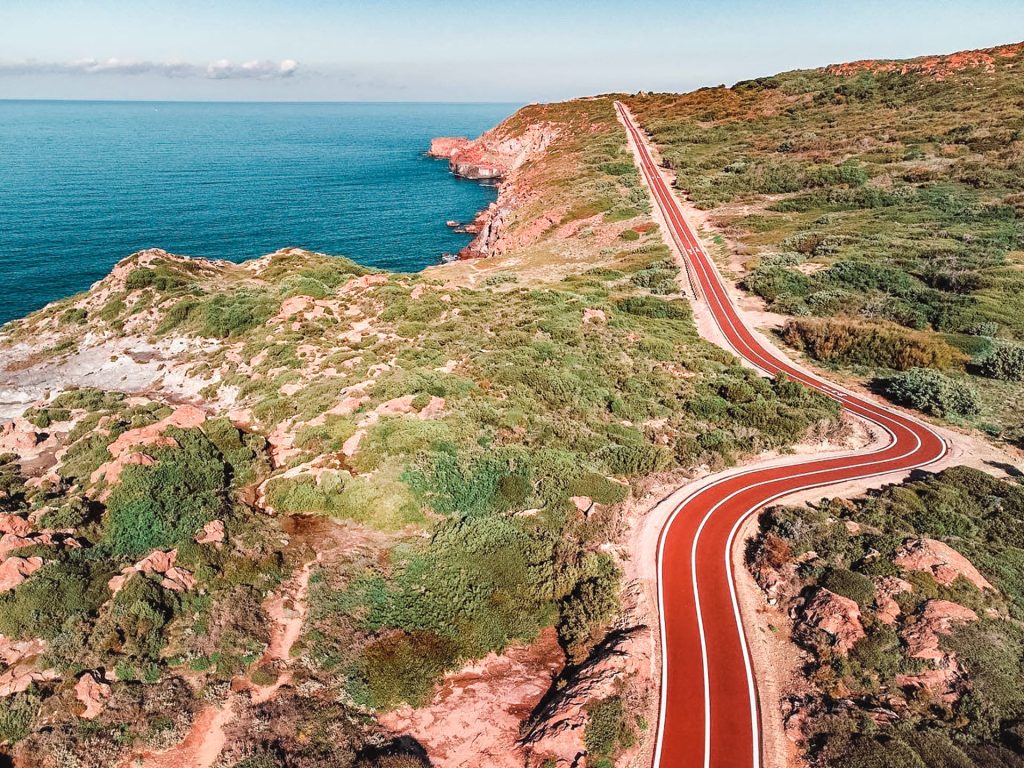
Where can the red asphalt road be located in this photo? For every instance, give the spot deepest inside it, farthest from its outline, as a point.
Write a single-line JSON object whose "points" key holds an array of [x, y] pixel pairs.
{"points": [[709, 711]]}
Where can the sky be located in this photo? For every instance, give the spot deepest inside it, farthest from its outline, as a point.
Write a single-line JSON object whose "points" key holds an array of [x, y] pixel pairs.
{"points": [[457, 50]]}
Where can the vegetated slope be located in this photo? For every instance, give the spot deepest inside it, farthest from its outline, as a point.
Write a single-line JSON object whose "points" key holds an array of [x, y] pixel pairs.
{"points": [[889, 195], [908, 607], [471, 433]]}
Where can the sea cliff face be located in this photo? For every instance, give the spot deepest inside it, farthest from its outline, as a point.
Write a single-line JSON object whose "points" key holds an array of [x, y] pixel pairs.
{"points": [[497, 155]]}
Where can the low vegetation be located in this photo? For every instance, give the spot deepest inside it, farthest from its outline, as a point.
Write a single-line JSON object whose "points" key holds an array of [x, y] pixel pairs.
{"points": [[868, 709], [886, 201]]}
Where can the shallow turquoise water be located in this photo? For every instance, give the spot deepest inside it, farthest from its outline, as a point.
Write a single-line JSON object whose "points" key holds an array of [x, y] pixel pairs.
{"points": [[83, 184]]}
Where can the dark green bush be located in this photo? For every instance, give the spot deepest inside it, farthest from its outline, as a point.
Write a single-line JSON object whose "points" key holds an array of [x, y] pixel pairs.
{"points": [[607, 729], [231, 314], [1004, 361], [771, 283], [589, 606], [932, 392], [165, 505], [851, 584], [648, 306]]}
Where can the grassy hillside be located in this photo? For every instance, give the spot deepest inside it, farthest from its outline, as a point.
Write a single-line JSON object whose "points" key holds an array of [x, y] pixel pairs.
{"points": [[887, 194], [456, 424]]}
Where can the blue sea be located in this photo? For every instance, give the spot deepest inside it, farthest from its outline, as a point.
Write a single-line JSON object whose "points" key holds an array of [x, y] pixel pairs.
{"points": [[84, 184]]}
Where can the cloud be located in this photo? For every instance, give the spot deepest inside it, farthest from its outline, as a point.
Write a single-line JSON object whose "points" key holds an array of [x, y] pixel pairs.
{"points": [[215, 70]]}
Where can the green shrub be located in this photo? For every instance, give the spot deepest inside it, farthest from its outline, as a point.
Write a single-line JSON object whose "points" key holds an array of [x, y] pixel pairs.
{"points": [[588, 607], [402, 667], [164, 505], [648, 306], [1004, 361], [134, 624], [932, 392], [231, 314], [772, 282], [61, 592], [16, 715], [851, 584], [607, 729]]}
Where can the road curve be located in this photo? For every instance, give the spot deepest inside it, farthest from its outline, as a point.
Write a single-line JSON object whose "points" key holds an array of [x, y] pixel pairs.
{"points": [[708, 712]]}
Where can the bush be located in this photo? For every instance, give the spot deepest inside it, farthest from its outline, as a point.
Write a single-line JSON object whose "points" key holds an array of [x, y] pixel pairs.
{"points": [[164, 505], [607, 729], [232, 314], [16, 715], [648, 306], [773, 282], [851, 584], [932, 392], [402, 667], [852, 342], [63, 591], [590, 605], [1004, 361]]}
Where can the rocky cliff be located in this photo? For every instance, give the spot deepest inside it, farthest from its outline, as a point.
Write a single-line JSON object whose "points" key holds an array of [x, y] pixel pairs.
{"points": [[496, 155]]}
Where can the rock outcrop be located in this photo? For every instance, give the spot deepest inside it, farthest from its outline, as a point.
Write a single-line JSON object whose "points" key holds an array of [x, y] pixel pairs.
{"points": [[937, 617], [495, 155], [14, 570], [936, 67], [941, 560], [452, 727], [161, 563], [92, 692], [836, 616]]}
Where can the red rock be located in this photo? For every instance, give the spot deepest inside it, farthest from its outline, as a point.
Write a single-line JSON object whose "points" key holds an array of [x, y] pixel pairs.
{"points": [[941, 560], [596, 315], [93, 693], [835, 615], [159, 562], [937, 67], [937, 617], [348, 406], [446, 146], [582, 503], [474, 718], [15, 524], [212, 533], [886, 588], [17, 436], [111, 471], [184, 417], [945, 682], [14, 570]]}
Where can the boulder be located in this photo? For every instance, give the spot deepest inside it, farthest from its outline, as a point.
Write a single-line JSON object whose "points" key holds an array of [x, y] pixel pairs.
{"points": [[14, 570], [212, 533], [836, 616], [17, 436], [941, 560], [886, 589], [93, 693], [15, 524], [158, 562], [936, 617]]}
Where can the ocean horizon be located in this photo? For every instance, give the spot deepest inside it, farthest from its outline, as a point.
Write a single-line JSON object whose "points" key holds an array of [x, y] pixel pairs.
{"points": [[86, 183]]}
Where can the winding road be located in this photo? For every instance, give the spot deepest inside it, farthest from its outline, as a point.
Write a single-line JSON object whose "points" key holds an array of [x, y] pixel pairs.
{"points": [[709, 712]]}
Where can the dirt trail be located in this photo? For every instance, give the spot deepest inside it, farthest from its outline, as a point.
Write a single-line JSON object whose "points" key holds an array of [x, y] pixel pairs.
{"points": [[201, 747]]}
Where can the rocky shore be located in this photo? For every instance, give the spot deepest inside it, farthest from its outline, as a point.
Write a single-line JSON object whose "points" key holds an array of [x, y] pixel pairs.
{"points": [[496, 155]]}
